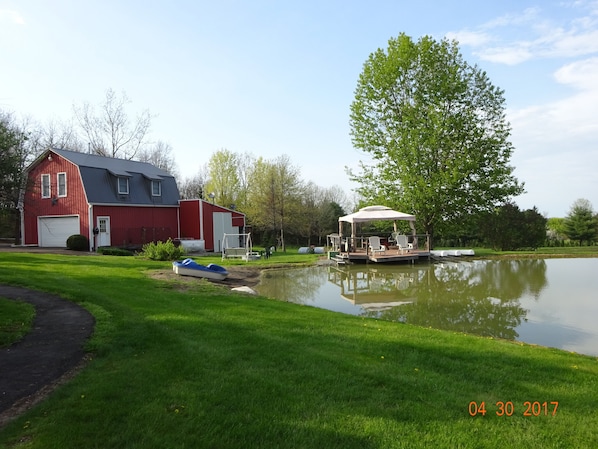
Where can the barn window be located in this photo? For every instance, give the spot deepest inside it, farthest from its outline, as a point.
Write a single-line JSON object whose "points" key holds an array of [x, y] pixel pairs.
{"points": [[61, 177], [123, 185], [156, 188], [46, 192]]}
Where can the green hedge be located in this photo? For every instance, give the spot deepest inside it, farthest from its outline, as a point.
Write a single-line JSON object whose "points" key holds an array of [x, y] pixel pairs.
{"points": [[162, 250], [111, 251], [77, 242]]}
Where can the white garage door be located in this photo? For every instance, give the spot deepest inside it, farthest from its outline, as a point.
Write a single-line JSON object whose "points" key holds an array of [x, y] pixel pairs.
{"points": [[53, 231]]}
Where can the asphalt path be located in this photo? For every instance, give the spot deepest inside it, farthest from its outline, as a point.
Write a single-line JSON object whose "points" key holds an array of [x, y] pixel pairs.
{"points": [[53, 349]]}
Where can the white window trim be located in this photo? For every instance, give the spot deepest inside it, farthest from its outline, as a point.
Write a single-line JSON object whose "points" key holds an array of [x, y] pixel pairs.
{"points": [[120, 192], [159, 184], [47, 176], [58, 184]]}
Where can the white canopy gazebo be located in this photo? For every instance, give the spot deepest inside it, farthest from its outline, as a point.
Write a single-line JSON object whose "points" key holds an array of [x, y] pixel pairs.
{"points": [[375, 213]]}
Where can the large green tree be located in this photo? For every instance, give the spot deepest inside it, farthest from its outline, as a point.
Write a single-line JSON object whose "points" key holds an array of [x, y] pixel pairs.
{"points": [[10, 169], [274, 198], [509, 228], [15, 153], [319, 212], [435, 129], [223, 182], [555, 230], [581, 224]]}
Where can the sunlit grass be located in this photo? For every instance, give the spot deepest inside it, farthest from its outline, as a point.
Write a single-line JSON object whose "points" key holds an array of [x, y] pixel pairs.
{"points": [[204, 367], [15, 320]]}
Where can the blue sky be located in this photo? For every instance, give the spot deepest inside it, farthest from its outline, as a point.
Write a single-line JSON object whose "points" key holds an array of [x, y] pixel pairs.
{"points": [[278, 77]]}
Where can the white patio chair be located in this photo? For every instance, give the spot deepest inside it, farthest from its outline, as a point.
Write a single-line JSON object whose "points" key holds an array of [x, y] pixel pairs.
{"points": [[376, 246], [403, 243]]}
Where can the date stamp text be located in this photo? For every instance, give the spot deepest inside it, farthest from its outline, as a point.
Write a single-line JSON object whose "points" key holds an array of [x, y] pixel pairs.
{"points": [[508, 408]]}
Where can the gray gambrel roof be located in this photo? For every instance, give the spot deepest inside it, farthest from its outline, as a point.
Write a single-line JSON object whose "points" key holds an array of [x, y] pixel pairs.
{"points": [[100, 175]]}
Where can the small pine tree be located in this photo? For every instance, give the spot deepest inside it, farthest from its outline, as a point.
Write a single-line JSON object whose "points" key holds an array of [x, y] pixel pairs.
{"points": [[581, 223]]}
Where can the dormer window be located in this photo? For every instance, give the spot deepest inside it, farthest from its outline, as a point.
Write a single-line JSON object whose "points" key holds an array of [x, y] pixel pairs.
{"points": [[46, 191], [123, 185], [156, 188]]}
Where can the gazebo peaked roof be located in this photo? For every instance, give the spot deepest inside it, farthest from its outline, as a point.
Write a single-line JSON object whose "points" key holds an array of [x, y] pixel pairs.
{"points": [[376, 213]]}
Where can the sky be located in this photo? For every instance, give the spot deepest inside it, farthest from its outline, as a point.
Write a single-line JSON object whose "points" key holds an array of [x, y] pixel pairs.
{"points": [[271, 78]]}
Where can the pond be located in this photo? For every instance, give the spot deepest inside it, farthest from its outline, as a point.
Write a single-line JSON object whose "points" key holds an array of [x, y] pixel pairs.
{"points": [[549, 302]]}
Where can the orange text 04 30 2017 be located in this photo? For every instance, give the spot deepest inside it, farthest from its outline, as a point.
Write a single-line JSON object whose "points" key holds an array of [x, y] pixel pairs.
{"points": [[509, 408]]}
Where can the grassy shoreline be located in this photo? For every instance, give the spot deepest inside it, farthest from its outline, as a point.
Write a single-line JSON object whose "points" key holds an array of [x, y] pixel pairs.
{"points": [[198, 366]]}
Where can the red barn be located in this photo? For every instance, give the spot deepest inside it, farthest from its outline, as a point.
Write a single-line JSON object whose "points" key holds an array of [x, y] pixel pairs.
{"points": [[205, 221], [114, 202]]}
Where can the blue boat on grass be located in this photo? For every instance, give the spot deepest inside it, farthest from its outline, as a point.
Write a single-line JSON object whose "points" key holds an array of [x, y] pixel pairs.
{"points": [[189, 267]]}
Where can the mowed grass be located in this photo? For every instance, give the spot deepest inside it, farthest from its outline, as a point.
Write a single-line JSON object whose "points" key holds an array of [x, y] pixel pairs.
{"points": [[15, 320], [179, 366]]}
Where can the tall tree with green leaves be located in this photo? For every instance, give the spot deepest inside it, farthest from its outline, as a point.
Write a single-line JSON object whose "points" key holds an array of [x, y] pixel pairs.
{"points": [[274, 198], [10, 176], [435, 129], [319, 213], [555, 230], [581, 224], [509, 228], [223, 181], [15, 154]]}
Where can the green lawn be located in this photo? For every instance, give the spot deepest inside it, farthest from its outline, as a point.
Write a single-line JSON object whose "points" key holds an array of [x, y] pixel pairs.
{"points": [[181, 367], [15, 320], [548, 251]]}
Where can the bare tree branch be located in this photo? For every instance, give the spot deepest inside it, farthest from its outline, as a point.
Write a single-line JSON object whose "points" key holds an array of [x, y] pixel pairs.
{"points": [[110, 132]]}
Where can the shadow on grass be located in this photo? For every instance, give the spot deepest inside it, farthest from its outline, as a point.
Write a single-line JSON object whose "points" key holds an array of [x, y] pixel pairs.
{"points": [[250, 372]]}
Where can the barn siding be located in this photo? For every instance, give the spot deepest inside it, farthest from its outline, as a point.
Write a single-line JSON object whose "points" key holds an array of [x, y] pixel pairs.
{"points": [[135, 226], [74, 203], [208, 225], [190, 226], [190, 220]]}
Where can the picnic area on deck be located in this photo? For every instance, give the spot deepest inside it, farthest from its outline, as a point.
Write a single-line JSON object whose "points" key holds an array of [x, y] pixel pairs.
{"points": [[395, 247]]}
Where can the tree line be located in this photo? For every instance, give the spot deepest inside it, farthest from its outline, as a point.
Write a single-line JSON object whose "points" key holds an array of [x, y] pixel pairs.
{"points": [[280, 207], [433, 125]]}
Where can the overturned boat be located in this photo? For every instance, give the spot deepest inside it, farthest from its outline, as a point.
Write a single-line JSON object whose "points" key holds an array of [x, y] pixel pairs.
{"points": [[189, 267]]}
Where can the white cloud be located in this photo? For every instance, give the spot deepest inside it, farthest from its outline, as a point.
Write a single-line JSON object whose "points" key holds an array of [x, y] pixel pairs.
{"points": [[8, 15], [560, 123], [513, 55], [527, 16], [528, 35], [556, 141], [580, 74], [471, 38], [569, 44]]}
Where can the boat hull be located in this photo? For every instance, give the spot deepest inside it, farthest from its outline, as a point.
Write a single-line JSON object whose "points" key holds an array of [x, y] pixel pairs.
{"points": [[190, 268]]}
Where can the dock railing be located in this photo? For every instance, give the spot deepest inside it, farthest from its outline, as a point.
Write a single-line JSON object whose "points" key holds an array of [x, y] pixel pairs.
{"points": [[420, 242]]}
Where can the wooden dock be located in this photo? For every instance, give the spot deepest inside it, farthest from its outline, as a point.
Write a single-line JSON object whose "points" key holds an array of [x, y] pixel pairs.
{"points": [[391, 255]]}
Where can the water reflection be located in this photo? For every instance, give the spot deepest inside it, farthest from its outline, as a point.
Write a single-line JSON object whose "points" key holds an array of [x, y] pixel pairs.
{"points": [[499, 298], [478, 298]]}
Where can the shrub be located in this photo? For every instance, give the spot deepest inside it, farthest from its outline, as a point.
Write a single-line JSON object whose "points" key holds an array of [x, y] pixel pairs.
{"points": [[77, 242], [162, 250], [111, 251]]}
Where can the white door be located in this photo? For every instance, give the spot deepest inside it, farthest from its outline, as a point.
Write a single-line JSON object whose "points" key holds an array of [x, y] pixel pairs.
{"points": [[54, 231], [222, 225], [103, 238]]}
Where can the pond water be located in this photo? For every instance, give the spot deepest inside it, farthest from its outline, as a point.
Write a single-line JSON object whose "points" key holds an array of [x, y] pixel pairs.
{"points": [[550, 302]]}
